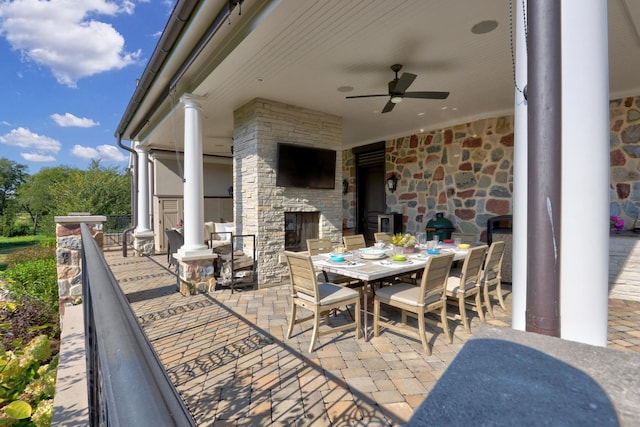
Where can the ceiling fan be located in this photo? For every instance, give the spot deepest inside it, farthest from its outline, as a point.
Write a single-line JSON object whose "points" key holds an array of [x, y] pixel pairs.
{"points": [[398, 87]]}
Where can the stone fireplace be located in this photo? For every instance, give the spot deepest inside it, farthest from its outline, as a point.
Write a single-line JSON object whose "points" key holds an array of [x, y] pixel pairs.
{"points": [[298, 227], [259, 205]]}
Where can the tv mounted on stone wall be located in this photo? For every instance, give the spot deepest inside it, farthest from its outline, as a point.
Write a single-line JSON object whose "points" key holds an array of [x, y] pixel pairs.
{"points": [[305, 167]]}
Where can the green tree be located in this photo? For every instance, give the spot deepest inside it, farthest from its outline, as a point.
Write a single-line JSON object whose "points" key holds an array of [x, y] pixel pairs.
{"points": [[12, 175], [34, 196], [98, 190]]}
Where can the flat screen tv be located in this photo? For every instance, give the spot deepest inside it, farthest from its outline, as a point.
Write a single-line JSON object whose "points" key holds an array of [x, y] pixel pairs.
{"points": [[305, 167]]}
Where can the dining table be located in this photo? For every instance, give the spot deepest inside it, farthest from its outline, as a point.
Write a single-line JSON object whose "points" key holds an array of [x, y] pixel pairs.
{"points": [[369, 271]]}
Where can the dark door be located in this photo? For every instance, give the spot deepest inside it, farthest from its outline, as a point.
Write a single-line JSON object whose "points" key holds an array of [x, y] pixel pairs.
{"points": [[371, 198], [370, 179]]}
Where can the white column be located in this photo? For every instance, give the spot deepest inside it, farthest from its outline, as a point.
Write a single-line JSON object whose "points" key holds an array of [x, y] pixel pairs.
{"points": [[585, 172], [193, 177], [143, 189], [520, 174]]}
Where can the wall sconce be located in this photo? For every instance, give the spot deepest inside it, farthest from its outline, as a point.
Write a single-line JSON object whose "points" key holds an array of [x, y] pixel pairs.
{"points": [[392, 182], [345, 186], [230, 190]]}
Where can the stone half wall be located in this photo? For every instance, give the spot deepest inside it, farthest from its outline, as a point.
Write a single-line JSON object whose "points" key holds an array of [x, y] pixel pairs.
{"points": [[466, 171], [259, 204], [69, 254]]}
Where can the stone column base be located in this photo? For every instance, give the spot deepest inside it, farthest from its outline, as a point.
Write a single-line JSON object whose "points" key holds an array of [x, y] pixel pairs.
{"points": [[196, 275], [144, 244]]}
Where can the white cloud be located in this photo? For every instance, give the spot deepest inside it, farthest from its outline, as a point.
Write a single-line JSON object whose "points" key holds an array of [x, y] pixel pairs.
{"points": [[103, 152], [34, 157], [69, 120], [24, 138], [65, 36]]}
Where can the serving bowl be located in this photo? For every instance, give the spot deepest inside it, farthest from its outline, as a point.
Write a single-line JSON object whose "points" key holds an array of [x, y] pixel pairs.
{"points": [[339, 257], [399, 257], [464, 246], [433, 251]]}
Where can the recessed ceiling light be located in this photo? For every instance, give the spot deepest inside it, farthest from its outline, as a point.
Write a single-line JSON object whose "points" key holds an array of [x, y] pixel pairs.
{"points": [[443, 108], [345, 89], [421, 114], [484, 27]]}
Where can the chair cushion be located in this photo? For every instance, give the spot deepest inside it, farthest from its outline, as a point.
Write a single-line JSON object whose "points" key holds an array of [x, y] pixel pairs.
{"points": [[453, 285], [331, 294], [222, 230], [405, 293]]}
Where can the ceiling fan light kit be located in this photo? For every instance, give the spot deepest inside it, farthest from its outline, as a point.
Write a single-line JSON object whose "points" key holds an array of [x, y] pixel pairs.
{"points": [[398, 90]]}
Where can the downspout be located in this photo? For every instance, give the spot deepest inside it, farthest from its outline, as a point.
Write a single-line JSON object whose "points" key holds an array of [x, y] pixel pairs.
{"points": [[134, 194]]}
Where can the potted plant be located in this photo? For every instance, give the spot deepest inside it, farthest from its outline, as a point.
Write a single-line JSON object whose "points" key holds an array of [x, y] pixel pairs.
{"points": [[405, 242], [616, 223]]}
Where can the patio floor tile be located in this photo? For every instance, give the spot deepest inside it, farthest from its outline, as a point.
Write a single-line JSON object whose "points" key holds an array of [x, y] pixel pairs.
{"points": [[227, 356]]}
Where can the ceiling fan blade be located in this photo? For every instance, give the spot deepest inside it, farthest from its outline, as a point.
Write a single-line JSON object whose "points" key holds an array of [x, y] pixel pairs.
{"points": [[404, 82], [366, 96], [427, 95], [388, 107]]}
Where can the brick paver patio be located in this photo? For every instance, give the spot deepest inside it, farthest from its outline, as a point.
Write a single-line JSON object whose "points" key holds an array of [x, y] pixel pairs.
{"points": [[227, 356]]}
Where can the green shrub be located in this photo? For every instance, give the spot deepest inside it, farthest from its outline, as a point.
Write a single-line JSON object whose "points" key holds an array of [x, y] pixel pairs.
{"points": [[26, 382], [37, 279], [16, 230]]}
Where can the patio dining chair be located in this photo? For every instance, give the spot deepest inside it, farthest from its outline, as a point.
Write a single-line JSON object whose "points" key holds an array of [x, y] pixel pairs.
{"points": [[354, 242], [464, 284], [319, 298], [492, 275], [176, 240], [324, 246], [419, 300], [382, 236], [465, 237]]}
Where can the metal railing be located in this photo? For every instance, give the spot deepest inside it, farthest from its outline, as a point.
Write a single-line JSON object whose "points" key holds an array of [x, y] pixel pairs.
{"points": [[113, 228], [127, 383]]}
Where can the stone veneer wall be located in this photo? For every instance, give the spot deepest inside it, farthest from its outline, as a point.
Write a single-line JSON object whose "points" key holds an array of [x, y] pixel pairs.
{"points": [[259, 205], [625, 159], [69, 254], [466, 171]]}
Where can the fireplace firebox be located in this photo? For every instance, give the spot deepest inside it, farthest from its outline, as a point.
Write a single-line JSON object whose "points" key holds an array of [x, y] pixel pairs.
{"points": [[298, 227]]}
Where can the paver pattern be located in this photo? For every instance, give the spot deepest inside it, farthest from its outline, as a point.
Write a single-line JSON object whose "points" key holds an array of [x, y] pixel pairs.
{"points": [[227, 355]]}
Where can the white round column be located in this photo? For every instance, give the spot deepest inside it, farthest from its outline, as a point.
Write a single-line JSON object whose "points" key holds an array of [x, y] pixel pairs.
{"points": [[520, 177], [585, 172], [193, 179], [143, 189]]}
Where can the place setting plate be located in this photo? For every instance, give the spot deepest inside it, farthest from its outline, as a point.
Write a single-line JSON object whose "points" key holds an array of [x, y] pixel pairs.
{"points": [[373, 253]]}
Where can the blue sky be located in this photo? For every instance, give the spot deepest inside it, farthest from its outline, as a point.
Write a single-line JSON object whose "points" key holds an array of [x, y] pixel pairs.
{"points": [[67, 71]]}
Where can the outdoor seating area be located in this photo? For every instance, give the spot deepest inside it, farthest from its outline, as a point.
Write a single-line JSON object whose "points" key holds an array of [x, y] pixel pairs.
{"points": [[228, 357], [419, 283]]}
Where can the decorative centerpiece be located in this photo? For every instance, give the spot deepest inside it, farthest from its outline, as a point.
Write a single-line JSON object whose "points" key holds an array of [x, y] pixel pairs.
{"points": [[405, 242], [616, 223]]}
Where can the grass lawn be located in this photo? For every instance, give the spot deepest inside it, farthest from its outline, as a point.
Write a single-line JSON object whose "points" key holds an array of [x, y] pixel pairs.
{"points": [[12, 244]]}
